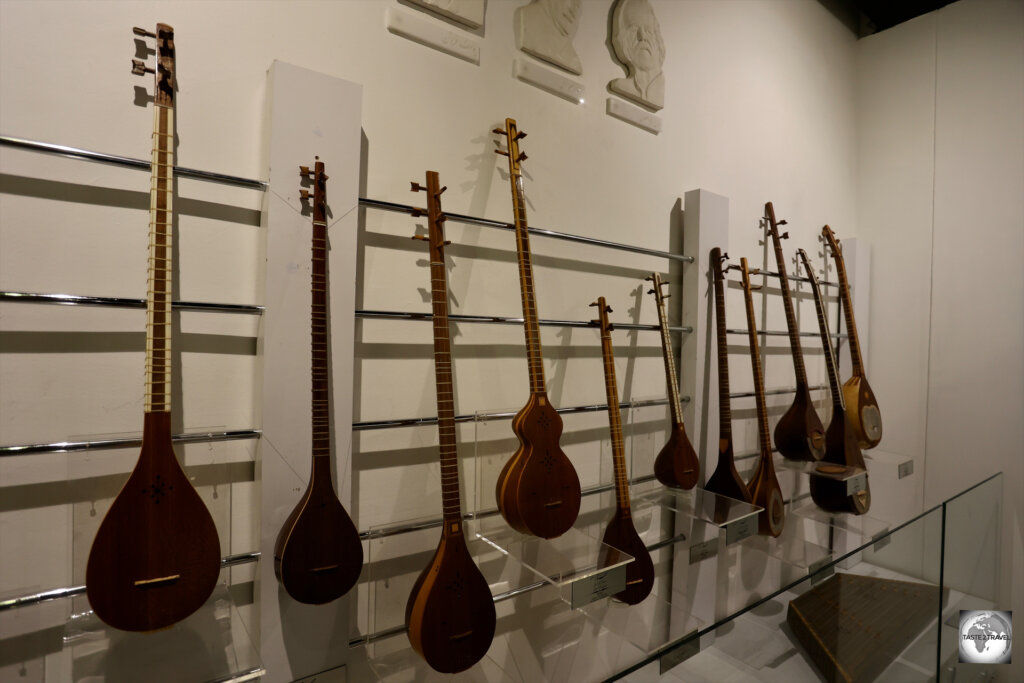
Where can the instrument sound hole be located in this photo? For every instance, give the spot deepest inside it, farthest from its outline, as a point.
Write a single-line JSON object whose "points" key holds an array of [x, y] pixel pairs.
{"points": [[544, 421], [872, 421], [158, 489], [548, 461], [456, 585]]}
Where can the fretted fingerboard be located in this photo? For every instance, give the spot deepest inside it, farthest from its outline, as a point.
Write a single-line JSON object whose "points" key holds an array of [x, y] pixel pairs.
{"points": [[826, 339], [755, 361], [851, 326], [530, 323], [724, 406], [671, 378], [321, 407], [791, 324], [158, 297], [615, 423]]}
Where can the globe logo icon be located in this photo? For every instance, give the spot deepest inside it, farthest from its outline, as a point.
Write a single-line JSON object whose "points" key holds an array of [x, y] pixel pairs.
{"points": [[986, 637]]}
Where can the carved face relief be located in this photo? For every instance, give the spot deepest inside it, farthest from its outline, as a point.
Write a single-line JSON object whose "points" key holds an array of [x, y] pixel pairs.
{"points": [[636, 37], [545, 29], [565, 15]]}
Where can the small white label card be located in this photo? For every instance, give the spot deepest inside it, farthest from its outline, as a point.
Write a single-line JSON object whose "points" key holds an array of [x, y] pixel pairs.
{"points": [[426, 32], [630, 113], [549, 80], [597, 586]]}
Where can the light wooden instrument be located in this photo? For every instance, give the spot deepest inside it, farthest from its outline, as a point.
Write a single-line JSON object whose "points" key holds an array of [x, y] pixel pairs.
{"points": [[861, 406], [450, 613], [677, 464], [799, 434], [620, 532], [841, 446], [538, 490], [318, 555], [764, 485], [725, 480], [156, 555]]}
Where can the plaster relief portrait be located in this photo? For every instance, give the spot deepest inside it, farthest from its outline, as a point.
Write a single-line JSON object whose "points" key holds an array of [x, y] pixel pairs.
{"points": [[468, 12], [636, 38], [545, 29]]}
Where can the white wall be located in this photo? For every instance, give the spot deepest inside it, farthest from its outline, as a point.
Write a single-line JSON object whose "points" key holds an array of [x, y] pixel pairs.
{"points": [[941, 194]]}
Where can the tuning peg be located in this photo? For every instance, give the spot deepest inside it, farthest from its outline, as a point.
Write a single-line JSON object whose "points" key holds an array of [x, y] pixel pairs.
{"points": [[519, 136], [446, 243], [325, 177], [754, 271], [754, 288], [442, 218], [522, 157], [666, 296], [304, 171], [140, 69], [416, 213], [304, 195], [782, 222], [422, 238], [595, 304], [499, 131], [650, 291], [725, 256], [649, 278], [784, 236], [501, 152], [441, 191], [143, 32], [416, 187]]}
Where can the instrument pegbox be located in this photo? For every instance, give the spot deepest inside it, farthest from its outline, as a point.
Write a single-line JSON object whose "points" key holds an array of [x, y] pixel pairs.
{"points": [[604, 314], [660, 283], [139, 68]]}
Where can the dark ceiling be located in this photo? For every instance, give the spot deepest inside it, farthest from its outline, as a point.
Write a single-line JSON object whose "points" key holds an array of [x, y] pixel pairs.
{"points": [[865, 17]]}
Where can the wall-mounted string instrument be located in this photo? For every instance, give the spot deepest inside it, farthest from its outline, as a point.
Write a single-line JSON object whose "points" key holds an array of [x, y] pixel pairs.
{"points": [[450, 613], [799, 434], [763, 484], [620, 532], [318, 555], [861, 406], [725, 480], [841, 446], [538, 490], [156, 555], [677, 465]]}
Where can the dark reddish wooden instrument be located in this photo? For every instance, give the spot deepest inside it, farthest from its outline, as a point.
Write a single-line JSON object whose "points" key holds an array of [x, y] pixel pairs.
{"points": [[620, 532], [538, 490], [677, 464], [318, 555], [799, 434], [156, 556], [725, 480], [764, 485], [861, 406], [841, 446], [450, 614]]}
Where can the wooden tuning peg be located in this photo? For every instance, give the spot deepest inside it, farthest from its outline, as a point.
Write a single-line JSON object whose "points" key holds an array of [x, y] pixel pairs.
{"points": [[666, 296], [304, 195], [499, 131], [650, 291], [784, 236], [522, 157], [649, 278], [140, 69], [416, 187], [782, 222], [725, 256], [143, 32], [608, 309], [441, 191], [422, 238], [519, 136], [416, 213], [446, 243], [304, 171], [501, 152]]}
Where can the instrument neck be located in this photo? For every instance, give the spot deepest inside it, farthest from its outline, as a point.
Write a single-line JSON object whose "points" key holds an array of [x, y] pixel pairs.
{"points": [[615, 423], [159, 286], [791, 325], [321, 384], [724, 402], [755, 361], [671, 378], [826, 342], [851, 326], [535, 359]]}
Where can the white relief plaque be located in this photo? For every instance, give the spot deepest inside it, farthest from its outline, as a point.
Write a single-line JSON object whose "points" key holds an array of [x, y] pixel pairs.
{"points": [[636, 37], [545, 29], [468, 12], [430, 34], [547, 79], [635, 115]]}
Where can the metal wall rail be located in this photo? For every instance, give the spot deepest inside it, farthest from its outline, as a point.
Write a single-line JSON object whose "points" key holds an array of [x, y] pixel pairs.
{"points": [[69, 446], [505, 415], [140, 164], [781, 333], [501, 225], [456, 318], [71, 591], [798, 278], [116, 302], [775, 392], [399, 529]]}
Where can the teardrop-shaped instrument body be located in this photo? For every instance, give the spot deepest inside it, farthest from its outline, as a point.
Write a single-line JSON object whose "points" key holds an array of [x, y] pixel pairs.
{"points": [[862, 411], [677, 464], [538, 491], [841, 448], [765, 492], [726, 480], [318, 555], [799, 434], [621, 534], [156, 557], [450, 614]]}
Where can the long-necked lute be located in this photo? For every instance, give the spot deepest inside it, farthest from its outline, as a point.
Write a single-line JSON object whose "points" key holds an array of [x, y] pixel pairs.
{"points": [[620, 532], [318, 555], [677, 464], [799, 434], [538, 490], [861, 406], [764, 485], [156, 555], [450, 613], [725, 480], [841, 446]]}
